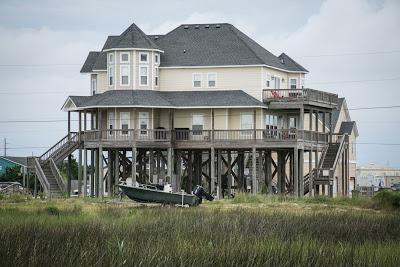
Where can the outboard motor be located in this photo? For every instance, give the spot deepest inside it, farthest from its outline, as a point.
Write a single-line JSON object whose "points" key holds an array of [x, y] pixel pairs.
{"points": [[201, 193]]}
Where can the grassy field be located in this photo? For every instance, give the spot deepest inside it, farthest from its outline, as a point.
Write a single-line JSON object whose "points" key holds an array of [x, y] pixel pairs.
{"points": [[245, 231]]}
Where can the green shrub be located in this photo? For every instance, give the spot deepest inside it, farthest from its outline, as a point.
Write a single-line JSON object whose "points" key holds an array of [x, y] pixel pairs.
{"points": [[52, 210], [387, 199]]}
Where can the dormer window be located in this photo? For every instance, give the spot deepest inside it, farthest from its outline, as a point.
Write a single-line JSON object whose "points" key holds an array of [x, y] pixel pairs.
{"points": [[144, 75], [124, 58], [124, 79], [143, 57]]}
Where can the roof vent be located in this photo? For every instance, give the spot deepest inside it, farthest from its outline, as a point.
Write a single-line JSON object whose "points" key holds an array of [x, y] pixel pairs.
{"points": [[217, 26], [207, 26], [282, 61], [186, 27], [184, 51], [196, 27], [156, 37]]}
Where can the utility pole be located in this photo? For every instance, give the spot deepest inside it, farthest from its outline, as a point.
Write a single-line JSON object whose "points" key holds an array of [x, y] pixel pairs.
{"points": [[5, 147]]}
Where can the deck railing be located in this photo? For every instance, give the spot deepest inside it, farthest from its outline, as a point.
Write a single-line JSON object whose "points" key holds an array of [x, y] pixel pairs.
{"points": [[161, 135], [270, 95]]}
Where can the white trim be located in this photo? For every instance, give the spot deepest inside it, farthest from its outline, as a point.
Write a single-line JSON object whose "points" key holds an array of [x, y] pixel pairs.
{"points": [[231, 66], [208, 80], [147, 75], [140, 57], [93, 71], [120, 75], [152, 70], [110, 62], [134, 85], [132, 49], [156, 69], [115, 70], [297, 85], [120, 57], [109, 76], [175, 107], [159, 59], [201, 80], [65, 103]]}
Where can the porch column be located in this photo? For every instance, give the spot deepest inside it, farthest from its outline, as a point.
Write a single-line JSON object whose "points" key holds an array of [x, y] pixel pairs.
{"points": [[268, 171], [134, 152], [212, 167], [84, 172], [178, 171], [169, 164], [301, 172], [101, 172], [69, 124], [296, 172], [254, 171], [92, 172], [80, 171], [69, 175], [310, 176], [219, 164], [116, 170], [260, 169]]}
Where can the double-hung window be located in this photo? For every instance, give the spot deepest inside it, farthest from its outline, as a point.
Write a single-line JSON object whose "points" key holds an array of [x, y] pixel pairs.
{"points": [[94, 85], [144, 72], [125, 122], [212, 79], [197, 80], [268, 80], [124, 72], [271, 124], [111, 122], [197, 124], [110, 75], [143, 57], [124, 58], [246, 123], [156, 76], [293, 83], [143, 122]]}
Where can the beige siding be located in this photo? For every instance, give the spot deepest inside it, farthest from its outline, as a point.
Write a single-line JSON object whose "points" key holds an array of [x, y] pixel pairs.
{"points": [[247, 79], [101, 82]]}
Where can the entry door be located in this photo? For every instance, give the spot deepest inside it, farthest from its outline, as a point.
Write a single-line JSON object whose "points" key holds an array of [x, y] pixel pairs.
{"points": [[143, 123], [277, 82]]}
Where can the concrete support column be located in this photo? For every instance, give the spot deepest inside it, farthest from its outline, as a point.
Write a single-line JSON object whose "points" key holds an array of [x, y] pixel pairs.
{"points": [[254, 171], [92, 172], [116, 170], [80, 171], [310, 171], [229, 174], [260, 169], [69, 175]]}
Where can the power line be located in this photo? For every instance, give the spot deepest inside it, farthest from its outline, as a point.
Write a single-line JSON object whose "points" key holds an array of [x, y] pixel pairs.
{"points": [[372, 108], [357, 81], [353, 54]]}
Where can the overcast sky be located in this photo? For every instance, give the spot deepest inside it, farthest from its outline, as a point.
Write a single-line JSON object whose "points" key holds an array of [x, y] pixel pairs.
{"points": [[350, 47]]}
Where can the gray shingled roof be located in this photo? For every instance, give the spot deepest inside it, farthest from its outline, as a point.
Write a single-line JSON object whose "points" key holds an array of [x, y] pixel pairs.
{"points": [[347, 127], [336, 112], [173, 99], [133, 37], [199, 45], [90, 61], [290, 64]]}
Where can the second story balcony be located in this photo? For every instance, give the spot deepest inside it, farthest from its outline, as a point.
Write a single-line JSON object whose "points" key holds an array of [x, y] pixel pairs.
{"points": [[286, 98], [205, 138]]}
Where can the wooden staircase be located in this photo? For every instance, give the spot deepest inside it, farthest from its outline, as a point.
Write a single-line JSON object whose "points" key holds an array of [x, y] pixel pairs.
{"points": [[46, 168]]}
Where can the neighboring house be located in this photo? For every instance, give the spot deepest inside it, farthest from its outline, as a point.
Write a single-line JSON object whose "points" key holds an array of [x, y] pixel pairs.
{"points": [[377, 176], [203, 104], [343, 124], [12, 162]]}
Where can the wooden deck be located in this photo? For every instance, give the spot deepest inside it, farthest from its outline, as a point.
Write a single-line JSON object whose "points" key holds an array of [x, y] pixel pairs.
{"points": [[182, 139], [287, 98]]}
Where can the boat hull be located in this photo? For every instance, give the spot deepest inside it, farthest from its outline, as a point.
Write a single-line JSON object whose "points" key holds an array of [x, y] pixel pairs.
{"points": [[142, 194]]}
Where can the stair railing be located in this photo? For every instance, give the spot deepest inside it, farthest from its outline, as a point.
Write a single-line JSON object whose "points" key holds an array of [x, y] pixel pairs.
{"points": [[42, 177], [58, 176], [340, 150], [49, 153]]}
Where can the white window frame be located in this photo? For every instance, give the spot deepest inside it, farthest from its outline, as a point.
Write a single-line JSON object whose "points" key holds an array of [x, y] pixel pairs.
{"points": [[201, 80], [290, 83], [250, 130], [111, 122], [147, 118], [120, 121], [140, 57], [93, 85], [156, 77], [157, 56], [110, 58], [120, 58], [202, 124], [111, 74], [120, 75], [268, 79], [140, 75], [208, 79], [280, 82]]}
